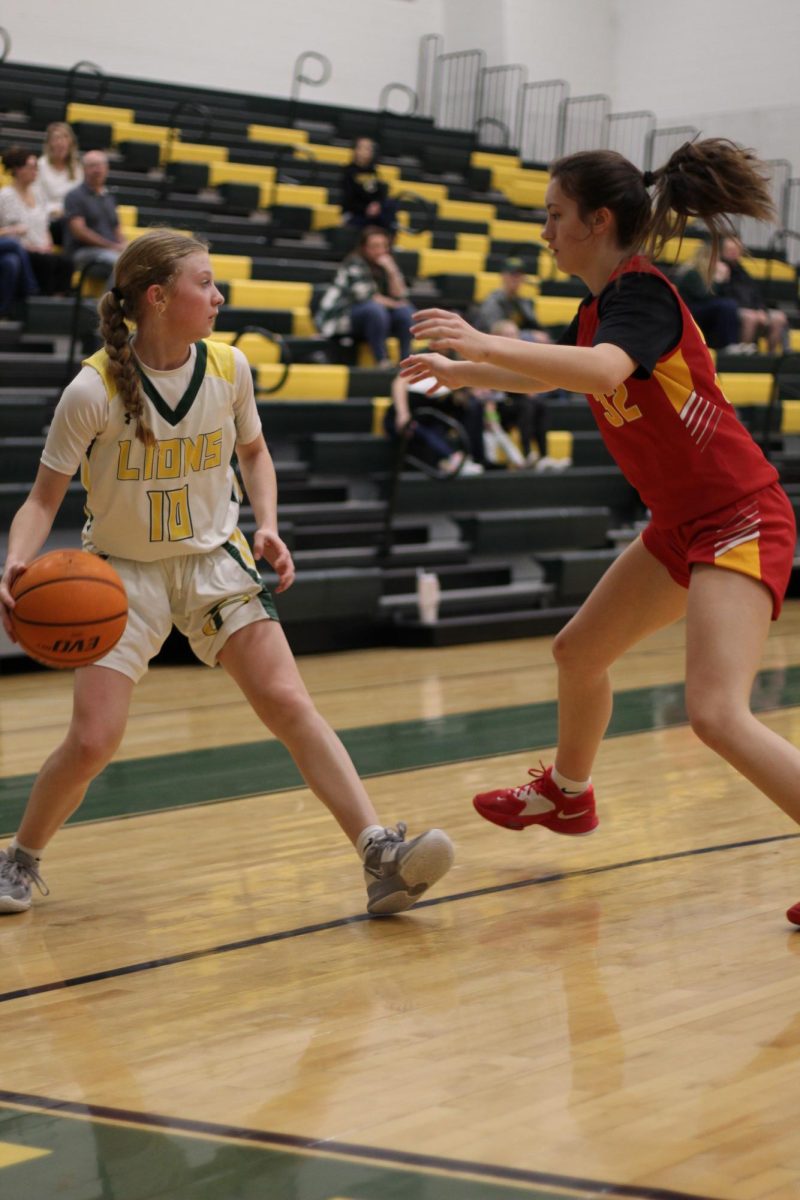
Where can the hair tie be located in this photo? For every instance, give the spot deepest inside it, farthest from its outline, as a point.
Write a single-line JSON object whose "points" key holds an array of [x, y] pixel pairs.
{"points": [[117, 294], [648, 178]]}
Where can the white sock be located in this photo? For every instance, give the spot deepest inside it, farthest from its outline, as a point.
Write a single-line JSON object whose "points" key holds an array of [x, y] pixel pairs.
{"points": [[36, 855], [570, 787], [365, 837]]}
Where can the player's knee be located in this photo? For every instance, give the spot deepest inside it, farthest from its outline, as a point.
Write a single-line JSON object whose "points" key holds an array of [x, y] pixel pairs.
{"points": [[713, 719], [571, 652], [93, 747]]}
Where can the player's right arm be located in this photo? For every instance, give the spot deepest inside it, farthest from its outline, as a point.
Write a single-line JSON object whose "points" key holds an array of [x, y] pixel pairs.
{"points": [[29, 530]]}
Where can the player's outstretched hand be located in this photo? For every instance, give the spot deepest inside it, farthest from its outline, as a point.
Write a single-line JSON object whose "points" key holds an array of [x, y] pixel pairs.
{"points": [[441, 371], [448, 331], [267, 545]]}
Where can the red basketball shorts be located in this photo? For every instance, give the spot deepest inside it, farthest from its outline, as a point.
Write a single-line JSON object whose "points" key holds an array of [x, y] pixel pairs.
{"points": [[755, 536]]}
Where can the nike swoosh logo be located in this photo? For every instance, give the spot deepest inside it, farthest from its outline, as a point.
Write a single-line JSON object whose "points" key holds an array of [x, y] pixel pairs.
{"points": [[562, 816]]}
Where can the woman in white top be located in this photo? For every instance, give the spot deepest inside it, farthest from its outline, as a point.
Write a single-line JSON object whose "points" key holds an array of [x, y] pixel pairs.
{"points": [[159, 419], [23, 215], [60, 169]]}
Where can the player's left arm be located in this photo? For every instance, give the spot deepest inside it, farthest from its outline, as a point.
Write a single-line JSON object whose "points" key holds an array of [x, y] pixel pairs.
{"points": [[258, 475]]}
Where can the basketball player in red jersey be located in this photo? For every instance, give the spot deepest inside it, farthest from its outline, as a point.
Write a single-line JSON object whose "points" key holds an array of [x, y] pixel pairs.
{"points": [[719, 546]]}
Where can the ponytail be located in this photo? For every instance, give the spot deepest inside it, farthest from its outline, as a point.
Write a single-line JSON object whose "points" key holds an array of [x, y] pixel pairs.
{"points": [[707, 179], [710, 179], [116, 338]]}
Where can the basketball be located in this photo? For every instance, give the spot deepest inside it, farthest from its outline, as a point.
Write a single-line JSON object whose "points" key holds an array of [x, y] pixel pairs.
{"points": [[71, 608]]}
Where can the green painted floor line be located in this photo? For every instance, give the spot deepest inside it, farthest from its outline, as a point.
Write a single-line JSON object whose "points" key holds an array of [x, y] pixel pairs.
{"points": [[90, 1155], [171, 781]]}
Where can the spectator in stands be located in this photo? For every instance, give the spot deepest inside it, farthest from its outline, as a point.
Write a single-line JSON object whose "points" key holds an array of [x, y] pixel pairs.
{"points": [[756, 319], [505, 412], [365, 196], [92, 232], [507, 303], [60, 171], [17, 280], [428, 438], [23, 215], [717, 316], [367, 298]]}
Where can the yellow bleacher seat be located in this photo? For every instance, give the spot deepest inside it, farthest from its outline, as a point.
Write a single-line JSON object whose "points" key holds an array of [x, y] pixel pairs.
{"points": [[477, 243], [677, 251], [769, 268], [276, 133], [129, 131], [256, 349], [790, 416], [228, 172], [746, 387], [101, 114], [326, 216], [485, 158], [516, 231], [406, 240], [303, 323], [526, 192], [556, 310], [299, 195], [365, 357], [380, 404], [128, 214], [306, 382], [794, 341], [449, 262], [388, 172], [326, 154], [227, 267], [435, 192], [269, 293], [489, 281], [194, 152], [466, 210]]}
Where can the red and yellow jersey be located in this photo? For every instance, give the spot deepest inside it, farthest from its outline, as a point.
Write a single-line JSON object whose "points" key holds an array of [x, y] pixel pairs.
{"points": [[674, 435]]}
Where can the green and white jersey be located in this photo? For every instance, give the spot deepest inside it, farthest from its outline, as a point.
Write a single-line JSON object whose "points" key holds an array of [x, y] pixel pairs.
{"points": [[179, 496]]}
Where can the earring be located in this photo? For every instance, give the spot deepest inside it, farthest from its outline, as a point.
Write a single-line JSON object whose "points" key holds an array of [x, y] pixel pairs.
{"points": [[161, 307]]}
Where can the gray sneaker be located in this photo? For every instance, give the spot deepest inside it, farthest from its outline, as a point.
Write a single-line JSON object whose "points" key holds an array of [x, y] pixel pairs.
{"points": [[397, 873], [17, 872]]}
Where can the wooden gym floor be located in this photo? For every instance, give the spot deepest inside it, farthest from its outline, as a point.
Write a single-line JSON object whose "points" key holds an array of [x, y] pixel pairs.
{"points": [[202, 1009]]}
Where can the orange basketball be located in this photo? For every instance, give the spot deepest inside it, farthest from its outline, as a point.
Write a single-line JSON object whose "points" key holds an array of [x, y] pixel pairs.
{"points": [[71, 608]]}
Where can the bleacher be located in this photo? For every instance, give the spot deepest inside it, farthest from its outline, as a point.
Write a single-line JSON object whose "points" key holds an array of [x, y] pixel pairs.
{"points": [[258, 178]]}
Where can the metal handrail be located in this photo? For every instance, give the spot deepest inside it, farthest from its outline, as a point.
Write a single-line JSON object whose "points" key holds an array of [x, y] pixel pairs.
{"points": [[398, 87], [498, 124], [402, 457], [173, 133], [86, 270], [298, 77], [5, 37], [428, 205], [72, 74], [285, 355]]}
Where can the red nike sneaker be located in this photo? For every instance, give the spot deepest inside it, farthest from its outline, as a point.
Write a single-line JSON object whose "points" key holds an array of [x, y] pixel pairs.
{"points": [[793, 914], [541, 803]]}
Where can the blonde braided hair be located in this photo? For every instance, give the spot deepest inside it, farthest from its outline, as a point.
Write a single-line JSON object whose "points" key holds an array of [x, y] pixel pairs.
{"points": [[153, 258]]}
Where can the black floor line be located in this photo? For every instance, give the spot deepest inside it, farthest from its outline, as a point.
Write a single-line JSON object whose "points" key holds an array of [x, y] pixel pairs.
{"points": [[398, 1158], [340, 922]]}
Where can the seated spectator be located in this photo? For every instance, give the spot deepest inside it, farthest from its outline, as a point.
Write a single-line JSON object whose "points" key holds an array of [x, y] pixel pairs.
{"points": [[92, 232], [756, 319], [60, 170], [23, 215], [717, 316], [504, 412], [367, 298], [365, 196], [17, 280], [507, 304], [428, 438]]}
